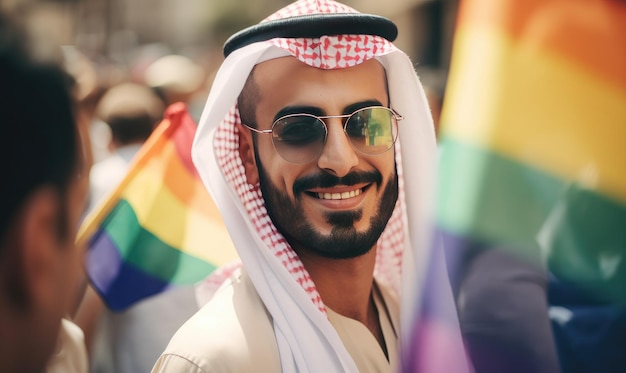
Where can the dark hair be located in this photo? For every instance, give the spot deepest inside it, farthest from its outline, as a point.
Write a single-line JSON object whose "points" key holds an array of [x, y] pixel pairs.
{"points": [[39, 139], [130, 130], [247, 101], [131, 111]]}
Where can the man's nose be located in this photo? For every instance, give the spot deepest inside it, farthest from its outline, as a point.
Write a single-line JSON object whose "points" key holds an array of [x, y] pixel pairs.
{"points": [[338, 157]]}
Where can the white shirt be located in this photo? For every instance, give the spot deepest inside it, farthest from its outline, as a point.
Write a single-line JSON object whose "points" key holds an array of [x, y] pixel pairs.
{"points": [[70, 355], [109, 172]]}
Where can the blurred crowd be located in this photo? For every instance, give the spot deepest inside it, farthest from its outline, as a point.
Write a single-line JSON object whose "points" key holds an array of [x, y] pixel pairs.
{"points": [[119, 117], [145, 88], [116, 110]]}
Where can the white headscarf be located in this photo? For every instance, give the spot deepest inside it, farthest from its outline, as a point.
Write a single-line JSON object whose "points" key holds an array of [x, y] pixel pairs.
{"points": [[307, 342]]}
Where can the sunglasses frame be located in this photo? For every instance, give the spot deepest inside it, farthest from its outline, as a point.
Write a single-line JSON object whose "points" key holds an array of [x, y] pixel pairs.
{"points": [[394, 115]]}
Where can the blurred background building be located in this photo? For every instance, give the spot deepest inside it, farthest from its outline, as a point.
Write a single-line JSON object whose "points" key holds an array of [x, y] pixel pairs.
{"points": [[119, 35]]}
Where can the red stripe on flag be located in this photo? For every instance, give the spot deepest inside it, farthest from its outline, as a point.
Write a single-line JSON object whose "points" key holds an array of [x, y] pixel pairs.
{"points": [[182, 131], [596, 45]]}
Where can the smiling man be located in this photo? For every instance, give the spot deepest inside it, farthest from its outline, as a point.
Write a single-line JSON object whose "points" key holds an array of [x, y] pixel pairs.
{"points": [[299, 143]]}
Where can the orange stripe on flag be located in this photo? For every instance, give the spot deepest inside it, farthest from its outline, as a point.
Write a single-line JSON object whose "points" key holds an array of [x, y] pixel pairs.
{"points": [[597, 47], [185, 186]]}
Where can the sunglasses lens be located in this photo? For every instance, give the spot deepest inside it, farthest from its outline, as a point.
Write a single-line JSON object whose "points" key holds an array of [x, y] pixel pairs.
{"points": [[372, 130], [299, 138]]}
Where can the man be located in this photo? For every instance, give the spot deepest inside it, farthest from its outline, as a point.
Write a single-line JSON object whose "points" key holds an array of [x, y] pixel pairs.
{"points": [[299, 145], [41, 201]]}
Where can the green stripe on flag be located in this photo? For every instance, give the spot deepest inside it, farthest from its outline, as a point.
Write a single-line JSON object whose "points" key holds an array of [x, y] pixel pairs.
{"points": [[490, 197], [144, 250], [578, 232]]}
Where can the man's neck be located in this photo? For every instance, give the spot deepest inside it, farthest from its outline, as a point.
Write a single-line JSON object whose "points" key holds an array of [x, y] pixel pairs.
{"points": [[345, 286]]}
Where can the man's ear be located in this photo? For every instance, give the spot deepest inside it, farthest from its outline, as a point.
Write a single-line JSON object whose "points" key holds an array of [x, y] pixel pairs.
{"points": [[246, 153], [32, 244]]}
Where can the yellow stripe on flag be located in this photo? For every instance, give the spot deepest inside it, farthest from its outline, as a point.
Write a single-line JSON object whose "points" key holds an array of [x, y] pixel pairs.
{"points": [[179, 225], [538, 108], [588, 33]]}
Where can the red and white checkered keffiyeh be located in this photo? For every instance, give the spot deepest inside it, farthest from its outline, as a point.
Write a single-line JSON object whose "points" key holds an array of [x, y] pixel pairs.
{"points": [[307, 342]]}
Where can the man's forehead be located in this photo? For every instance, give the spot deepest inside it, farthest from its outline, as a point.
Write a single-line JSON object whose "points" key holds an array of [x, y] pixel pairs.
{"points": [[287, 82]]}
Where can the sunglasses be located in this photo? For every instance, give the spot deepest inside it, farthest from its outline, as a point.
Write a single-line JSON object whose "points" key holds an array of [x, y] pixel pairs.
{"points": [[300, 138]]}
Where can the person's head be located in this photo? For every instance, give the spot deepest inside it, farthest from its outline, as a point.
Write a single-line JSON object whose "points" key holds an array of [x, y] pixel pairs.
{"points": [[41, 201], [175, 78], [131, 111], [330, 185], [318, 137]]}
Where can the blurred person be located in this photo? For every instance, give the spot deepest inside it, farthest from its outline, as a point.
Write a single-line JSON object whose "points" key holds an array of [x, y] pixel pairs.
{"points": [[299, 145], [41, 202], [176, 78], [128, 341], [87, 91], [131, 111]]}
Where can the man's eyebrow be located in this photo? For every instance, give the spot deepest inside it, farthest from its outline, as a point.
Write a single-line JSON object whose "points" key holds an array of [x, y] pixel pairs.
{"points": [[360, 105], [288, 110], [313, 110]]}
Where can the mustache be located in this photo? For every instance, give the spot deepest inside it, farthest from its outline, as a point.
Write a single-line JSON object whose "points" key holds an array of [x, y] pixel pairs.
{"points": [[326, 180]]}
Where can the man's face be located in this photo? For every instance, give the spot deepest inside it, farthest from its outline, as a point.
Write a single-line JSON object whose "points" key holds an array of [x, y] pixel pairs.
{"points": [[71, 254], [54, 264], [67, 264], [338, 204]]}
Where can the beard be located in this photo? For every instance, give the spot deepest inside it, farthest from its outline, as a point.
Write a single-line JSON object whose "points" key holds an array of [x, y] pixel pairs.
{"points": [[344, 241]]}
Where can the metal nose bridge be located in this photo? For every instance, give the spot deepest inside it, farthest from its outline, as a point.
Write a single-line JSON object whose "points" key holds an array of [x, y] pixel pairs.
{"points": [[343, 122], [334, 116]]}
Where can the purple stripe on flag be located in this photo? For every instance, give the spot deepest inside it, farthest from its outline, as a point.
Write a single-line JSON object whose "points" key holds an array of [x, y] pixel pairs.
{"points": [[119, 283], [503, 307], [436, 329], [103, 260]]}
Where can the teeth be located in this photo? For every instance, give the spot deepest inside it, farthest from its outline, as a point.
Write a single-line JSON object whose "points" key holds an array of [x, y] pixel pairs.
{"points": [[344, 195]]}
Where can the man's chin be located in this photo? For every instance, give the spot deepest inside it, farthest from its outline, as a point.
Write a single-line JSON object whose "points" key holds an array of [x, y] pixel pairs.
{"points": [[346, 252], [344, 219]]}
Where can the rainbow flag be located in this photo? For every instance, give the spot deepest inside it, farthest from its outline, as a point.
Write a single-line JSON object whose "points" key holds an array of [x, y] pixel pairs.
{"points": [[534, 146], [160, 227]]}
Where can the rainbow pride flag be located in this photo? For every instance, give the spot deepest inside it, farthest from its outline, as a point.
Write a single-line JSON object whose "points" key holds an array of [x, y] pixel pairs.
{"points": [[160, 227], [533, 149]]}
